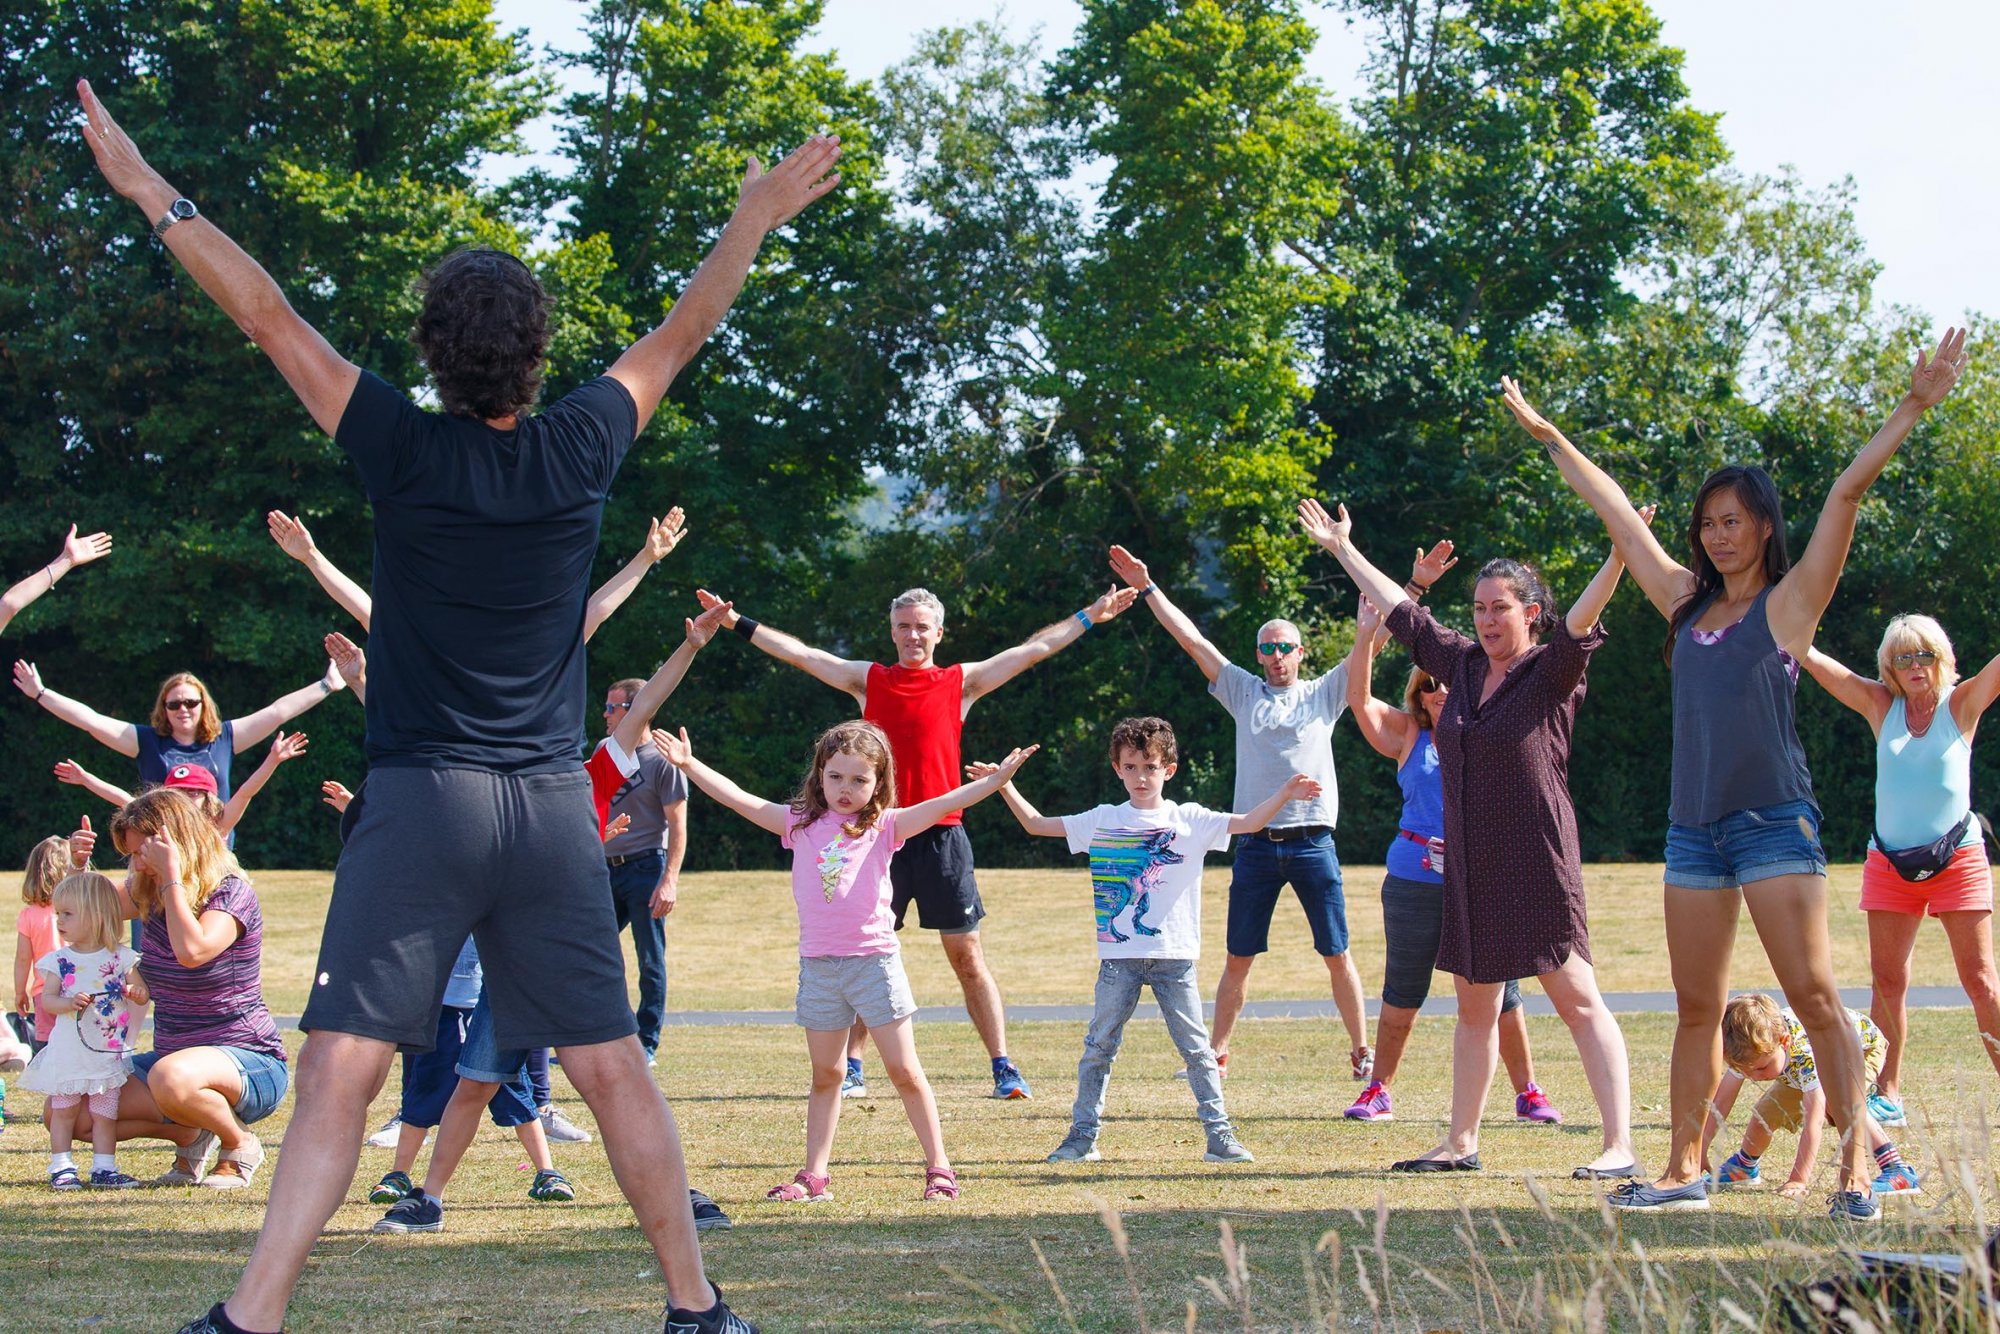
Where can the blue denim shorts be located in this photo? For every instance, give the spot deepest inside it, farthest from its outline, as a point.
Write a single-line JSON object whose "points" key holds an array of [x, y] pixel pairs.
{"points": [[1262, 870], [265, 1078], [1746, 846]]}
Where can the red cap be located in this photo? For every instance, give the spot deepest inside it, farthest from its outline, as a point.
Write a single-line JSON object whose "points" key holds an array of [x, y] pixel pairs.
{"points": [[192, 778]]}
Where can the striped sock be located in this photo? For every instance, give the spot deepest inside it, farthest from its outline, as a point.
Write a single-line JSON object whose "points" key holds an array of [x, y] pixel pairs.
{"points": [[1886, 1157]]}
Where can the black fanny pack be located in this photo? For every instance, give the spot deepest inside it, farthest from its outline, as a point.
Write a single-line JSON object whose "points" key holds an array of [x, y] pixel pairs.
{"points": [[1926, 859]]}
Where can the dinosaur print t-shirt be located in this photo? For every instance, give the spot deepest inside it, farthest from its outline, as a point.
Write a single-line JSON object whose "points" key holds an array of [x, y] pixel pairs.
{"points": [[840, 882], [1145, 875]]}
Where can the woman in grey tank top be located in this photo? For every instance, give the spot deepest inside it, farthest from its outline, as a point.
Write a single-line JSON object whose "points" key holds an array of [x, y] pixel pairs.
{"points": [[1742, 819]]}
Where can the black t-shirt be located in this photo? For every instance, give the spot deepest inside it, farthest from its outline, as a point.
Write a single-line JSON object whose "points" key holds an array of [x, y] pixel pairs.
{"points": [[483, 545]]}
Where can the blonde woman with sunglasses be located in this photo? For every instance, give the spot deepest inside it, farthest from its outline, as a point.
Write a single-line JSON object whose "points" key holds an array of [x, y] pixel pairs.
{"points": [[1928, 853]]}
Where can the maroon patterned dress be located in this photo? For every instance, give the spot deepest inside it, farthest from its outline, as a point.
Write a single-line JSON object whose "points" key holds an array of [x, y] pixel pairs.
{"points": [[1513, 878]]}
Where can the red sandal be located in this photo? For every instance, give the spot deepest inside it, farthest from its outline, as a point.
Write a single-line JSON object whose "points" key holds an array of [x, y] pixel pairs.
{"points": [[805, 1188], [940, 1183]]}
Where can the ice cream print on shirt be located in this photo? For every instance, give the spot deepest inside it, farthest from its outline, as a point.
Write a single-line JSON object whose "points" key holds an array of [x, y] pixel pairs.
{"points": [[832, 861], [1125, 865]]}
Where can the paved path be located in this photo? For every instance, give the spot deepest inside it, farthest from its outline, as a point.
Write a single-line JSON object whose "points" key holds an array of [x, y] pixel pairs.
{"points": [[1621, 1002]]}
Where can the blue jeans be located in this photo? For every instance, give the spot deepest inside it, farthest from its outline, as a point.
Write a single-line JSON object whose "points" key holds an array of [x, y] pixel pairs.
{"points": [[632, 886], [265, 1079], [1119, 982], [1262, 871], [1746, 846]]}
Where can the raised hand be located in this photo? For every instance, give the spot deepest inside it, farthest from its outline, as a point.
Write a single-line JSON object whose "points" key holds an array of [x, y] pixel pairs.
{"points": [[334, 679], [1301, 788], [1935, 375], [978, 769], [616, 826], [69, 771], [335, 795], [702, 628], [1017, 757], [83, 550], [345, 656], [709, 600], [773, 198], [288, 747], [290, 534], [1367, 618], [117, 156], [1533, 422], [676, 750], [1429, 566], [1646, 513], [82, 843], [1322, 527], [26, 679], [665, 534], [1129, 568], [1114, 601], [158, 856]]}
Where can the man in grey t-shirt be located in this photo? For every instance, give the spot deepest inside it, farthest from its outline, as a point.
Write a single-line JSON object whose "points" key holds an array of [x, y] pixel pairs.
{"points": [[645, 863], [1284, 726]]}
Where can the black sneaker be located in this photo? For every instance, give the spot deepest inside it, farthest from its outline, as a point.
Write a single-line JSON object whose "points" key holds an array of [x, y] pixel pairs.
{"points": [[417, 1213], [717, 1319], [208, 1322], [708, 1215]]}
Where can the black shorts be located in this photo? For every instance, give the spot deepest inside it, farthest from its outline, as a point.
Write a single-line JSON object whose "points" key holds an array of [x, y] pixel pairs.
{"points": [[934, 870], [432, 855]]}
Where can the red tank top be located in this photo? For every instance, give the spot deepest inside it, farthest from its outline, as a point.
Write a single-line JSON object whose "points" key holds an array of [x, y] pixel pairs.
{"points": [[922, 712]]}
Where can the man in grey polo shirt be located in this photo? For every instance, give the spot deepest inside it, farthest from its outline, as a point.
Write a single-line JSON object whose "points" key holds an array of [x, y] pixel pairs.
{"points": [[1284, 726], [645, 863]]}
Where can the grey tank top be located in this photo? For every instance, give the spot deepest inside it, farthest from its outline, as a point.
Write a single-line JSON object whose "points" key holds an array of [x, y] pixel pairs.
{"points": [[1735, 743]]}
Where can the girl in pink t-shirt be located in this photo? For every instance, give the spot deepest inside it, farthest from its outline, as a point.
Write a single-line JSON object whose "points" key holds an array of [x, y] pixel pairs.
{"points": [[35, 929], [842, 828]]}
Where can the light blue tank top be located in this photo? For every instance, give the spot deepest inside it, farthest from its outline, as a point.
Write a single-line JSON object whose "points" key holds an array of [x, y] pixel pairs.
{"points": [[1923, 784], [1423, 811]]}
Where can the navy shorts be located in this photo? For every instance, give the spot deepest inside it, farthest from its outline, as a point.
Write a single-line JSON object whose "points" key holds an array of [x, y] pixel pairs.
{"points": [[1261, 872], [432, 855], [430, 1077], [934, 871], [1746, 846], [265, 1080]]}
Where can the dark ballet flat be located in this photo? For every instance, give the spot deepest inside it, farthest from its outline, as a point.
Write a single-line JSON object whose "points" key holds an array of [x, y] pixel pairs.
{"points": [[1469, 1163], [1604, 1173]]}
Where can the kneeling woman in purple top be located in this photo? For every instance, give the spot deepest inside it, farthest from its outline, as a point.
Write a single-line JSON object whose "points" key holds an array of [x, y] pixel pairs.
{"points": [[217, 1064]]}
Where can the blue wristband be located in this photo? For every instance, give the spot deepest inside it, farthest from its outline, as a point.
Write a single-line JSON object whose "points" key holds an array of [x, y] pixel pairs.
{"points": [[1084, 617]]}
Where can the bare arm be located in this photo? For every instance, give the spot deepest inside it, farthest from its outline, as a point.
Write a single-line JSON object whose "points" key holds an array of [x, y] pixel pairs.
{"points": [[1718, 1109], [1296, 788], [1868, 698], [1032, 820], [254, 727], [662, 537], [75, 551], [1812, 1112], [284, 748], [1133, 571], [1666, 581], [1972, 698], [196, 940], [1336, 536], [69, 771], [322, 378], [1383, 726], [913, 820], [638, 720], [120, 736], [23, 948], [990, 674], [667, 893], [295, 541], [842, 674], [766, 815], [1588, 609], [766, 202]]}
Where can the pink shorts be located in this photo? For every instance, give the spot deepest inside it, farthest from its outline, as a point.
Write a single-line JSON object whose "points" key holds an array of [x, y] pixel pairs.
{"points": [[1964, 885], [103, 1104]]}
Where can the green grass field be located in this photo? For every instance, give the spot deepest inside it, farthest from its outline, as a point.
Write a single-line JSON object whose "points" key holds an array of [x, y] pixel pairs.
{"points": [[1028, 1246]]}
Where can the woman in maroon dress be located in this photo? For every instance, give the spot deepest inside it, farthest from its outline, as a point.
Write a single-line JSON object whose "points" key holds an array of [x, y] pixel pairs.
{"points": [[1513, 880]]}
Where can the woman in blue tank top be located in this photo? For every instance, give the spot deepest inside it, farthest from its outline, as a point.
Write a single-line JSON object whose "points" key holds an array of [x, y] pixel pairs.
{"points": [[1413, 886], [1923, 718], [1743, 827]]}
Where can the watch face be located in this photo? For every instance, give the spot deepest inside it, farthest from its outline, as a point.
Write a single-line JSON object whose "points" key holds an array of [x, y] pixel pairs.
{"points": [[183, 208]]}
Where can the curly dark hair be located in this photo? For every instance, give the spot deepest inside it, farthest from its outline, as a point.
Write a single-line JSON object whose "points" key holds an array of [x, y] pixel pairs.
{"points": [[482, 332], [1151, 737]]}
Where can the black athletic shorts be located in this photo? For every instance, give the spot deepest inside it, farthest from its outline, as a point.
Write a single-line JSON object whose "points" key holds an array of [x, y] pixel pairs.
{"points": [[431, 855], [934, 870]]}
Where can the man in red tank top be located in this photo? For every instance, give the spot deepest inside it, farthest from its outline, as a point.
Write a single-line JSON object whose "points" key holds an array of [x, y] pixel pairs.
{"points": [[922, 707]]}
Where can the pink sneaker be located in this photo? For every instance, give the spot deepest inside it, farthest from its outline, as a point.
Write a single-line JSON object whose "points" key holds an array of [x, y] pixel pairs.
{"points": [[1372, 1105], [1533, 1105]]}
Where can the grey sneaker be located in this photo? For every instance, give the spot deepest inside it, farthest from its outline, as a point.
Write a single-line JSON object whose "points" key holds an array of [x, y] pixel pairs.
{"points": [[560, 1129], [417, 1213], [386, 1137], [1075, 1148], [1223, 1148]]}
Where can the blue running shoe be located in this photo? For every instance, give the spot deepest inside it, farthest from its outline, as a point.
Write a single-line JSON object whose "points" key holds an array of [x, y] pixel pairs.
{"points": [[1735, 1172], [1886, 1111], [1645, 1197], [854, 1084], [1007, 1081], [1851, 1206], [1901, 1179]]}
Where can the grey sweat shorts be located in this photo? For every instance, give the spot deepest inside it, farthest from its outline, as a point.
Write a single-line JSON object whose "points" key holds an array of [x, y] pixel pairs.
{"points": [[432, 855], [834, 988]]}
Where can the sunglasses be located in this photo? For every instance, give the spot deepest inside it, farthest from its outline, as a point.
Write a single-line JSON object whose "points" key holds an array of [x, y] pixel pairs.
{"points": [[1923, 657], [1429, 685], [1275, 647], [183, 703], [613, 708]]}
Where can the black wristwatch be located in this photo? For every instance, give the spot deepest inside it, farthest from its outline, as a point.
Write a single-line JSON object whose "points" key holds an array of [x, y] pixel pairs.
{"points": [[179, 211]]}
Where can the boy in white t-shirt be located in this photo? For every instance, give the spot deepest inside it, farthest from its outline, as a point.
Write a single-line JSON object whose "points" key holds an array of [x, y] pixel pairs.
{"points": [[1145, 877]]}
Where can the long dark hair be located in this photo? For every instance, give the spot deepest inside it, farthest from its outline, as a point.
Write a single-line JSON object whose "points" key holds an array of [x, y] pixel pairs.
{"points": [[1759, 494], [1525, 582]]}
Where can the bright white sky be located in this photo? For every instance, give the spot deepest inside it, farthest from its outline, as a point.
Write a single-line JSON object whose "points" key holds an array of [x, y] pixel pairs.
{"points": [[1832, 87]]}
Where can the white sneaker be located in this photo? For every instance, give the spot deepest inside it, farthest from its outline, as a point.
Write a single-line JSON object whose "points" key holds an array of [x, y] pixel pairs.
{"points": [[386, 1137], [561, 1130]]}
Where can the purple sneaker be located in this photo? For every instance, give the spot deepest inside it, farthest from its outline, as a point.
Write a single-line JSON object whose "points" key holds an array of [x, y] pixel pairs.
{"points": [[1372, 1105], [1531, 1104]]}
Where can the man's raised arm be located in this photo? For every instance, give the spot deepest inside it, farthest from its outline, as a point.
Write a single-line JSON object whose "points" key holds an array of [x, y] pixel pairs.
{"points": [[321, 377], [840, 673], [992, 673], [1133, 571], [767, 201]]}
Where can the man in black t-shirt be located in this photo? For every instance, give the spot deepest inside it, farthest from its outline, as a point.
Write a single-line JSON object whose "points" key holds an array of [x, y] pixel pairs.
{"points": [[475, 804]]}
